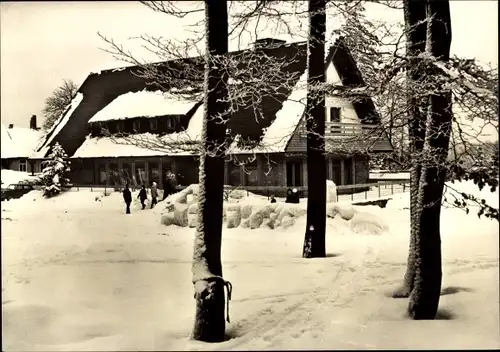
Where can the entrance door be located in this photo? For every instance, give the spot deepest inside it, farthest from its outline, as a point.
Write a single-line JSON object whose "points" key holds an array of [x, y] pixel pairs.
{"points": [[294, 173]]}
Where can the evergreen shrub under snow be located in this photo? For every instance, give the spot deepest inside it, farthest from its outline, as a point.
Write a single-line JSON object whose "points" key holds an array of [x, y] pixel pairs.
{"points": [[55, 171]]}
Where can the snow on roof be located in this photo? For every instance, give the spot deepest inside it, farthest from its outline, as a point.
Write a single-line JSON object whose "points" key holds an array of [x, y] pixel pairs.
{"points": [[143, 104], [276, 136], [58, 126], [136, 145], [21, 142]]}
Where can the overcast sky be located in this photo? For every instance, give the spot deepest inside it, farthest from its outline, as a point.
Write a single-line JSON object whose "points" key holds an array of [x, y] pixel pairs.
{"points": [[43, 43]]}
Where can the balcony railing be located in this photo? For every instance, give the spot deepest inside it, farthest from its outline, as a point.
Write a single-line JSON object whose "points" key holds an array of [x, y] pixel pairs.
{"points": [[338, 129], [352, 136], [348, 129]]}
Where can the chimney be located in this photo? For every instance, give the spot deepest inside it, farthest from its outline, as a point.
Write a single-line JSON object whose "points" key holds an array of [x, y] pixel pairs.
{"points": [[11, 125], [268, 43], [33, 122]]}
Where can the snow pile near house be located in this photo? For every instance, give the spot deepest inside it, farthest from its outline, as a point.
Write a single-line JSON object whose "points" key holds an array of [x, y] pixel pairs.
{"points": [[10, 177], [246, 210], [143, 104]]}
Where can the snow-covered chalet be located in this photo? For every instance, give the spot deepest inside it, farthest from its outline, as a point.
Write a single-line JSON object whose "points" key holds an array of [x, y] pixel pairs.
{"points": [[118, 100], [18, 145]]}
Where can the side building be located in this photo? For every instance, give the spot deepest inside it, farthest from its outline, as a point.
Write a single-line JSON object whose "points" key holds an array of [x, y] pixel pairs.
{"points": [[18, 145], [115, 102]]}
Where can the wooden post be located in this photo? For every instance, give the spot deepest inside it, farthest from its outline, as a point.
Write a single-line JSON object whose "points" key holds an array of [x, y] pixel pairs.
{"points": [[133, 174], [226, 173], [353, 170], [146, 171], [120, 171], [283, 179], [304, 171], [160, 170], [106, 168], [342, 171], [260, 171]]}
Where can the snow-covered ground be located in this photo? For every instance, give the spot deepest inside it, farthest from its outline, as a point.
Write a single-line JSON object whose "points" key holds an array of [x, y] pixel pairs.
{"points": [[79, 274]]}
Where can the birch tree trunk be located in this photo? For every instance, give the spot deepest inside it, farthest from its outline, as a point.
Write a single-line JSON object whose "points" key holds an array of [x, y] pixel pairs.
{"points": [[424, 298], [314, 242], [207, 267], [416, 28]]}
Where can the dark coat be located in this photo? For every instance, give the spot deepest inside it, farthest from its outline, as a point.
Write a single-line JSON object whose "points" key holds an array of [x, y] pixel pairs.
{"points": [[143, 194], [292, 197], [127, 195]]}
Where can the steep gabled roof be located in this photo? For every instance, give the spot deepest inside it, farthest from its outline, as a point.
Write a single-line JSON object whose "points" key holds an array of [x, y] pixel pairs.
{"points": [[251, 120], [350, 75]]}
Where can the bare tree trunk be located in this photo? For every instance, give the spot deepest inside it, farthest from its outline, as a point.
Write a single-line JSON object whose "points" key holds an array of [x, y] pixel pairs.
{"points": [[414, 11], [424, 298], [314, 242], [207, 267]]}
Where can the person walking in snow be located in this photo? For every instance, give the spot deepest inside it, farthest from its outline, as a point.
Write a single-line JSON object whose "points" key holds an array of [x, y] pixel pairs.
{"points": [[154, 195], [127, 197], [273, 200], [143, 195]]}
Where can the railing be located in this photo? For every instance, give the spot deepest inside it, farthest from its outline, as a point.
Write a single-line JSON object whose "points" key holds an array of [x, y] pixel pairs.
{"points": [[333, 129], [339, 129], [352, 193]]}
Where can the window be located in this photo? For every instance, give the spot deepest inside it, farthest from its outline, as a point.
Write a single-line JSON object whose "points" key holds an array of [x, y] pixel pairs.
{"points": [[137, 125], [114, 177], [336, 170], [23, 166], [153, 124], [251, 173], [234, 175], [120, 126], [140, 174], [154, 172], [170, 122], [348, 171], [126, 173], [101, 174], [334, 114]]}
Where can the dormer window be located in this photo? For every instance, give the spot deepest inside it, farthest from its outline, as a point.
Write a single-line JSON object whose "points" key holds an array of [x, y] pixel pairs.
{"points": [[334, 114], [137, 125], [153, 124]]}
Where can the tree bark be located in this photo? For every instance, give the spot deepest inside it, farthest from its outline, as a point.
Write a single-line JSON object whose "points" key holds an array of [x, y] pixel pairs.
{"points": [[314, 242], [424, 298], [416, 32], [207, 267]]}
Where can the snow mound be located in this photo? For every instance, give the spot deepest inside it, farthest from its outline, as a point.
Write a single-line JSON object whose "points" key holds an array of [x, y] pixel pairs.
{"points": [[241, 209], [331, 191], [364, 223]]}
